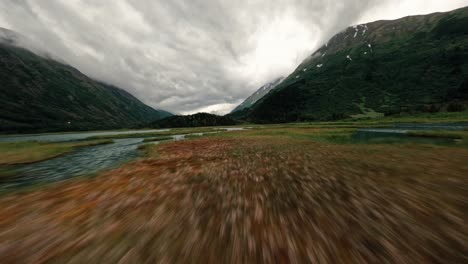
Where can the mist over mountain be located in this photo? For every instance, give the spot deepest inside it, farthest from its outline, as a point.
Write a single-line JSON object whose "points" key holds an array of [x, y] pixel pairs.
{"points": [[198, 55], [40, 94]]}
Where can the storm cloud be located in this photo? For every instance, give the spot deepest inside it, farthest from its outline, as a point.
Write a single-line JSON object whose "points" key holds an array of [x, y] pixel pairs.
{"points": [[193, 55]]}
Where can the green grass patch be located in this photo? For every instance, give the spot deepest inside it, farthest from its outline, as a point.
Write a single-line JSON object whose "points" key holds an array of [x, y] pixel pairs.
{"points": [[172, 132], [148, 150], [339, 135], [328, 135], [6, 173], [157, 139]]}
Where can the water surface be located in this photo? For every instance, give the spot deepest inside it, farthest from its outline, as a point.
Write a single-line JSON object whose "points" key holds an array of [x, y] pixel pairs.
{"points": [[406, 127], [398, 133], [90, 160], [60, 137], [84, 161], [81, 162]]}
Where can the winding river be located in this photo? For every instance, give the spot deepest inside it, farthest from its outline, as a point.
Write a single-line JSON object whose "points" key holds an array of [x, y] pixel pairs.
{"points": [[84, 161], [81, 162]]}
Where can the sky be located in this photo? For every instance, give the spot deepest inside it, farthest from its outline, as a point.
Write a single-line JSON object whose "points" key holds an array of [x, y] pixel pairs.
{"points": [[188, 56]]}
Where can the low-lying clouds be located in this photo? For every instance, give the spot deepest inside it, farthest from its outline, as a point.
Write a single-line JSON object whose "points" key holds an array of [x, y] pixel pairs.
{"points": [[193, 55]]}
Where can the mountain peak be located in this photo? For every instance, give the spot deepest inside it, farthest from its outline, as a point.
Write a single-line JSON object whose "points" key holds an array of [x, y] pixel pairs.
{"points": [[257, 95], [410, 65], [8, 36]]}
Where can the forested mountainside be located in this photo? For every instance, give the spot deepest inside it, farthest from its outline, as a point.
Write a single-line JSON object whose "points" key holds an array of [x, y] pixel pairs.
{"points": [[410, 65], [40, 94]]}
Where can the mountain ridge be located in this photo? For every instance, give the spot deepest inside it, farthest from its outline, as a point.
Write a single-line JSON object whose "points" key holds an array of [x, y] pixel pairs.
{"points": [[40, 94], [258, 94], [413, 64]]}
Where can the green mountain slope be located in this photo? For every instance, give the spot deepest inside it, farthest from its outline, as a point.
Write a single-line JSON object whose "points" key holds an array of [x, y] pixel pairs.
{"points": [[196, 120], [39, 94], [414, 64]]}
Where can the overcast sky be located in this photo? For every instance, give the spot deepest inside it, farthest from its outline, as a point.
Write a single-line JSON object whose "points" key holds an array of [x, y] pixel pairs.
{"points": [[186, 56]]}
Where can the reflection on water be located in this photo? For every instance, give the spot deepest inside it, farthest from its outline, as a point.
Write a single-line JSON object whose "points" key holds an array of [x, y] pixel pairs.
{"points": [[395, 136], [398, 134], [234, 128], [81, 162], [405, 128]]}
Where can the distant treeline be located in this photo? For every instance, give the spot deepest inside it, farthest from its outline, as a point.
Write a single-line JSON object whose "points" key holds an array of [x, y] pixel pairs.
{"points": [[196, 120]]}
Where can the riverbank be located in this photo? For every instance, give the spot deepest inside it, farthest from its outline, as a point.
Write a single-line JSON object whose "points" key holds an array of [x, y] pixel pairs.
{"points": [[441, 117], [97, 159], [461, 135], [15, 153], [263, 195], [171, 132]]}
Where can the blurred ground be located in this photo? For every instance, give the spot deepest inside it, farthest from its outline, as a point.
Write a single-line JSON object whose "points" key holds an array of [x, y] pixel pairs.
{"points": [[251, 199]]}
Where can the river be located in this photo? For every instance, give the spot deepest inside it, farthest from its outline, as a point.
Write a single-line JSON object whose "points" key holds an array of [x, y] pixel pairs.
{"points": [[61, 137], [91, 160], [81, 162], [397, 133], [84, 161]]}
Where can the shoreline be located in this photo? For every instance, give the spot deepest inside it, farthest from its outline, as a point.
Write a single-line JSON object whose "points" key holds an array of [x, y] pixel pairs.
{"points": [[68, 147]]}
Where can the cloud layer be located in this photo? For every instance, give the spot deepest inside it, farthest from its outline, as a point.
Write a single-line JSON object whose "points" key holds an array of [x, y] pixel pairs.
{"points": [[193, 55]]}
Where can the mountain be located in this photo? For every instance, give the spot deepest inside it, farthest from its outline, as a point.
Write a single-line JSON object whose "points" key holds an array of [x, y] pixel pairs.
{"points": [[9, 37], [41, 94], [196, 120], [262, 91], [414, 64]]}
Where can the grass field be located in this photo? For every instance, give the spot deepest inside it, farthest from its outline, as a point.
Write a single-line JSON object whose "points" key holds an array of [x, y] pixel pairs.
{"points": [[286, 195], [351, 123], [13, 153], [172, 132]]}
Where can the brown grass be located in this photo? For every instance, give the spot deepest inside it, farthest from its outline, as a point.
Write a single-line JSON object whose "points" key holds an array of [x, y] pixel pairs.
{"points": [[268, 199]]}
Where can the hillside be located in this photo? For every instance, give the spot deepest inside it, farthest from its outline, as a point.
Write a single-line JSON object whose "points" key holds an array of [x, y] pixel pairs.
{"points": [[414, 64], [259, 94], [40, 94], [196, 120]]}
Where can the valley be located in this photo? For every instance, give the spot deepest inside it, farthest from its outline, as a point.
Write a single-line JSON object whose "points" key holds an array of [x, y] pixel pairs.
{"points": [[359, 155], [302, 184]]}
